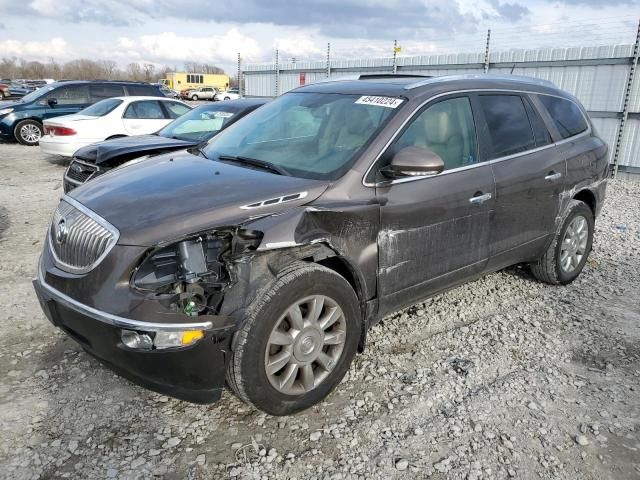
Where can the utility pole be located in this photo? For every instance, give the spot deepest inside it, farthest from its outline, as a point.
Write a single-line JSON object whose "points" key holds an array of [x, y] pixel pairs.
{"points": [[395, 56], [239, 76], [277, 73], [625, 106], [328, 60], [486, 52]]}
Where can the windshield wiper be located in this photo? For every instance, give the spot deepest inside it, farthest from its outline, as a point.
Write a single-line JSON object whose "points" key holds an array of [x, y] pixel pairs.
{"points": [[254, 162]]}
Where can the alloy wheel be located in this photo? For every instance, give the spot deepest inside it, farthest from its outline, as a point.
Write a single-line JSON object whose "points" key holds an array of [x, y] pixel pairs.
{"points": [[30, 133], [574, 244], [305, 345]]}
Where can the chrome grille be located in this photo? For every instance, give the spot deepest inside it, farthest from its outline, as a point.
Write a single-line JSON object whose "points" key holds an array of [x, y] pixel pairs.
{"points": [[79, 172], [79, 239]]}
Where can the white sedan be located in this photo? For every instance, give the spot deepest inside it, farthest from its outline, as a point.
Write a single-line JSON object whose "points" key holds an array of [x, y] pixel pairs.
{"points": [[231, 94], [109, 118]]}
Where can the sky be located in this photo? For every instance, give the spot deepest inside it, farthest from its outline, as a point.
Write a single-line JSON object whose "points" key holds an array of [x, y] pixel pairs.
{"points": [[170, 32]]}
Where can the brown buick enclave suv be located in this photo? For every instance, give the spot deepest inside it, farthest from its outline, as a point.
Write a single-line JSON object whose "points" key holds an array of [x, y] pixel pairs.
{"points": [[262, 257]]}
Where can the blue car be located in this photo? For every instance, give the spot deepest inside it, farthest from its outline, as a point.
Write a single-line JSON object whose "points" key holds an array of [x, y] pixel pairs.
{"points": [[22, 119]]}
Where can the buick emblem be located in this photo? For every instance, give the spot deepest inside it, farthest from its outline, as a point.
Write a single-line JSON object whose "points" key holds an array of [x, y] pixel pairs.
{"points": [[77, 168], [61, 231]]}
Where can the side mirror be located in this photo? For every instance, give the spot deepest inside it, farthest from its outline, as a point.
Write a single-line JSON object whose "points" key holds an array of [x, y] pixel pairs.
{"points": [[52, 102], [414, 162]]}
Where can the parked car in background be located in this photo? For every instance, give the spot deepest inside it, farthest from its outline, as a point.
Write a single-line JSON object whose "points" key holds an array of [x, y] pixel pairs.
{"points": [[200, 93], [231, 94], [189, 130], [22, 119], [109, 118], [4, 91], [167, 92], [260, 260], [19, 90]]}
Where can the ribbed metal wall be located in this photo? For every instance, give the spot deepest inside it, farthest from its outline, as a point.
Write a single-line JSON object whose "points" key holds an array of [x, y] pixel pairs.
{"points": [[597, 76]]}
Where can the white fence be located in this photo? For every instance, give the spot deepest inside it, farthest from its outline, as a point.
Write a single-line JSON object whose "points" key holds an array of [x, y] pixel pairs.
{"points": [[598, 76]]}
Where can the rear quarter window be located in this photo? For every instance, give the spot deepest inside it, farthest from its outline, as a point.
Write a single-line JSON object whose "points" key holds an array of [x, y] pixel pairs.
{"points": [[566, 115]]}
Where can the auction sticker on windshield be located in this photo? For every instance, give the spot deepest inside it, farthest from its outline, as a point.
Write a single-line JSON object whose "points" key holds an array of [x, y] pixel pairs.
{"points": [[387, 102], [223, 114]]}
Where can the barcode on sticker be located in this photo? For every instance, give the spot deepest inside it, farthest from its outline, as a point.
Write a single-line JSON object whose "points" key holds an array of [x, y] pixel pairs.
{"points": [[388, 102]]}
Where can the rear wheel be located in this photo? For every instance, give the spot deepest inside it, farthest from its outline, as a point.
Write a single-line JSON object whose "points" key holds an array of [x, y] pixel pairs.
{"points": [[566, 256], [28, 132], [296, 342]]}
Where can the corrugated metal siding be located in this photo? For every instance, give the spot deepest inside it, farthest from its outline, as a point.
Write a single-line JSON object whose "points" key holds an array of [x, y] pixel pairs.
{"points": [[599, 87]]}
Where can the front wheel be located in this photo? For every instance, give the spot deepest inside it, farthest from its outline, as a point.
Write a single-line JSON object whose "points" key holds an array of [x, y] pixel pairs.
{"points": [[297, 341], [28, 132], [566, 256], [194, 98], [227, 98]]}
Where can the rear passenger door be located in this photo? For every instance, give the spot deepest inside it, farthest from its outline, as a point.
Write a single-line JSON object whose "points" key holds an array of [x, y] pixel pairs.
{"points": [[434, 231], [529, 174], [143, 117]]}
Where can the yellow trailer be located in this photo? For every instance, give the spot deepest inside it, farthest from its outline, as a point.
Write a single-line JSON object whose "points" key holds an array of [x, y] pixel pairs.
{"points": [[182, 80]]}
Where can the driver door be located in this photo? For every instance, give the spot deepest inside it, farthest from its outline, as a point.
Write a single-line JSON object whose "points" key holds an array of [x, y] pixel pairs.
{"points": [[434, 231]]}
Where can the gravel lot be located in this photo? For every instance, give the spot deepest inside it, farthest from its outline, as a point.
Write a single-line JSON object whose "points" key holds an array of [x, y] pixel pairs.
{"points": [[504, 377]]}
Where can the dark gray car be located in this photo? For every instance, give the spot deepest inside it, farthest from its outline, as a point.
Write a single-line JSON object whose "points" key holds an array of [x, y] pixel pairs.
{"points": [[264, 257]]}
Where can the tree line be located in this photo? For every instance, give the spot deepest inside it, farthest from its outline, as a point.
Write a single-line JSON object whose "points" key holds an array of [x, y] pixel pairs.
{"points": [[86, 69]]}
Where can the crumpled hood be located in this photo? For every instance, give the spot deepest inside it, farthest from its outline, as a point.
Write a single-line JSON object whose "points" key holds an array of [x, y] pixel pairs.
{"points": [[167, 197], [108, 152]]}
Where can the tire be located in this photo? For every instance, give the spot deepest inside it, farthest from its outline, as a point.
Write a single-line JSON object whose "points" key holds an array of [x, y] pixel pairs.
{"points": [[247, 369], [227, 98], [194, 98], [558, 266], [28, 132]]}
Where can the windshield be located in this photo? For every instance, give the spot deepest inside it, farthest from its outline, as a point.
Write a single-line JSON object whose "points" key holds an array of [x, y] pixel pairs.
{"points": [[199, 124], [101, 108], [310, 135], [36, 94]]}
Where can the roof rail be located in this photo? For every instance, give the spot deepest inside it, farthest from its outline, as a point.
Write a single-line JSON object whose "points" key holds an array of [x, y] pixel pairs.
{"points": [[491, 76], [369, 76]]}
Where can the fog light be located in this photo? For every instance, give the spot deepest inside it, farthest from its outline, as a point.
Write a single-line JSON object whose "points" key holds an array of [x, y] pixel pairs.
{"points": [[139, 341], [177, 339]]}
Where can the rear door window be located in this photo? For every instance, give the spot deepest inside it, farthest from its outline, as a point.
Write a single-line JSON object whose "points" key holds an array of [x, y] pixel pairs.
{"points": [[148, 109], [141, 90], [175, 109], [100, 92], [566, 115], [508, 124]]}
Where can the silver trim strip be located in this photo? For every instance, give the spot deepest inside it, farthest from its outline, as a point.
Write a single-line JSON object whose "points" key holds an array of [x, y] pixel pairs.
{"points": [[100, 221], [264, 203], [115, 320], [76, 182], [475, 165]]}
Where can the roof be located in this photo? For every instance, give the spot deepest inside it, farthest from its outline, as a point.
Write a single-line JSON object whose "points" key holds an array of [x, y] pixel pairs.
{"points": [[132, 98], [413, 86]]}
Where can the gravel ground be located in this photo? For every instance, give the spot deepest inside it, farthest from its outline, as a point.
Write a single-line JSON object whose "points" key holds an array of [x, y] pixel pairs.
{"points": [[503, 377]]}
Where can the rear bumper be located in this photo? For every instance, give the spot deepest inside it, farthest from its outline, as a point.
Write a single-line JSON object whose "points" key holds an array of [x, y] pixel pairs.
{"points": [[195, 373], [61, 146]]}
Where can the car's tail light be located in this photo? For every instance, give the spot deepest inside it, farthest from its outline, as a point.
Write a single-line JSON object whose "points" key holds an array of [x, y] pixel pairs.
{"points": [[58, 131]]}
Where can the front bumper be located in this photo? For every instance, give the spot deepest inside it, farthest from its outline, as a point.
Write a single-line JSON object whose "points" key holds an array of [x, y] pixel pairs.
{"points": [[195, 373]]}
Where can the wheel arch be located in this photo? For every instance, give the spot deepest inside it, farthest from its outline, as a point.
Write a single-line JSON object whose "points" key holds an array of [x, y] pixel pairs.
{"points": [[588, 197]]}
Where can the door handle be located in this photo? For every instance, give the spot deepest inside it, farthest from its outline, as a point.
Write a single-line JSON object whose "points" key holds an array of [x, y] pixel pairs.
{"points": [[553, 176], [480, 199]]}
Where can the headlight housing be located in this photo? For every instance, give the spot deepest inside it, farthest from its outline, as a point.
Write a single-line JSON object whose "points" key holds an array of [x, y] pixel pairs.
{"points": [[6, 111], [190, 276]]}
